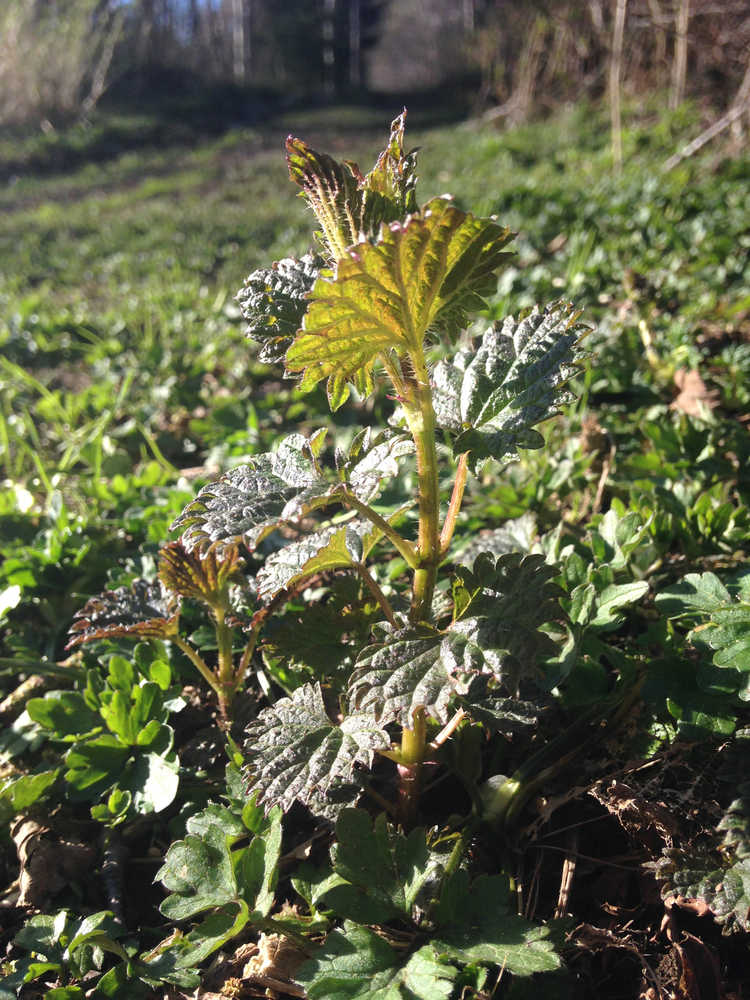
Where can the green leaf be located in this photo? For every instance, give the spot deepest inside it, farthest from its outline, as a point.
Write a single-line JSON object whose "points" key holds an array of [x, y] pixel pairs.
{"points": [[728, 633], [514, 381], [95, 765], [380, 871], [121, 673], [499, 607], [212, 934], [618, 595], [251, 501], [390, 187], [476, 925], [10, 597], [391, 679], [21, 793], [701, 875], [350, 208], [332, 191], [424, 273], [617, 535], [143, 610], [257, 868], [65, 713], [273, 301], [695, 594], [198, 870], [41, 934], [357, 964], [295, 752], [152, 780], [320, 552], [371, 459]]}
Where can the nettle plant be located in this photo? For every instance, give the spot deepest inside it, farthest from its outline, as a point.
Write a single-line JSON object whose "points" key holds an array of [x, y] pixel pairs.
{"points": [[409, 660]]}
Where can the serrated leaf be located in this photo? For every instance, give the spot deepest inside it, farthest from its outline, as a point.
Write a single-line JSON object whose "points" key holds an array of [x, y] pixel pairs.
{"points": [[295, 752], [144, 610], [499, 606], [325, 550], [728, 633], [696, 593], [357, 964], [251, 501], [380, 871], [431, 269], [515, 380], [373, 458], [502, 715], [698, 875], [332, 191], [392, 679], [203, 574], [349, 207], [273, 301], [390, 187], [477, 925], [735, 825]]}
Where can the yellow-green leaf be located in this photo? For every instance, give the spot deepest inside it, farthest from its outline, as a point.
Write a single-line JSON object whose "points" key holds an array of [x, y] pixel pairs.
{"points": [[426, 272]]}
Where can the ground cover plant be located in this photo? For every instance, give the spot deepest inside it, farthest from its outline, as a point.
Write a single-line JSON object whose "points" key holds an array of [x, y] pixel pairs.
{"points": [[432, 696]]}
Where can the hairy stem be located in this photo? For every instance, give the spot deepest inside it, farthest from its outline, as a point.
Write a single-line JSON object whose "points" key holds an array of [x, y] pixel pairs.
{"points": [[403, 547], [377, 593], [226, 676], [199, 663], [413, 745], [421, 419], [459, 485]]}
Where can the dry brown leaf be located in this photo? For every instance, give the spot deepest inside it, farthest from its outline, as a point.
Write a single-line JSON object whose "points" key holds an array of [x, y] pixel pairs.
{"points": [[47, 862], [694, 397]]}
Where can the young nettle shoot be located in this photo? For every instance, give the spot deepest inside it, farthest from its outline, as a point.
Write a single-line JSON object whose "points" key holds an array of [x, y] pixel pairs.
{"points": [[388, 281]]}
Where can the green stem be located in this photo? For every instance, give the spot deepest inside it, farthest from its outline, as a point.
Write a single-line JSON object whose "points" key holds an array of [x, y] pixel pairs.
{"points": [[449, 524], [421, 418], [198, 662], [228, 682], [377, 593], [403, 547], [413, 745]]}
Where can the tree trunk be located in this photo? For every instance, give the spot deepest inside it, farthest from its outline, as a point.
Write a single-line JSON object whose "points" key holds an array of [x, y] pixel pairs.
{"points": [[329, 47], [355, 44], [679, 65], [615, 77]]}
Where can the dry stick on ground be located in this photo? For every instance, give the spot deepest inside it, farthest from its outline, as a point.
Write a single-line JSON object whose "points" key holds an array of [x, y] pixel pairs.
{"points": [[740, 106]]}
